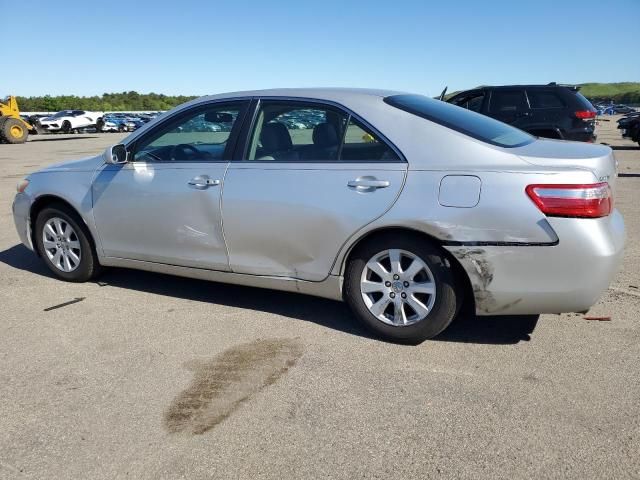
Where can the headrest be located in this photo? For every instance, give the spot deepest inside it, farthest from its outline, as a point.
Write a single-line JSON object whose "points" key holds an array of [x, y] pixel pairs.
{"points": [[325, 135], [275, 137]]}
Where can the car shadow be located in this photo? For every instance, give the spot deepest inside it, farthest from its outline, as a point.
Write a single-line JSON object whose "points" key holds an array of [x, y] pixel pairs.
{"points": [[467, 328], [629, 175]]}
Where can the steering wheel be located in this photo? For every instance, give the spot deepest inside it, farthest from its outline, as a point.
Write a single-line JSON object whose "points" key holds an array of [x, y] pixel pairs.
{"points": [[183, 148]]}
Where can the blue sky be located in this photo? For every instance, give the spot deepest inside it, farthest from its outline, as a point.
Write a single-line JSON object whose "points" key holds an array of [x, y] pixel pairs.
{"points": [[201, 47]]}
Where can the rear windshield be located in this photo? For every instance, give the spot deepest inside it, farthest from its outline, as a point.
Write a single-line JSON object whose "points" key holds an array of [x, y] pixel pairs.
{"points": [[583, 100], [461, 120]]}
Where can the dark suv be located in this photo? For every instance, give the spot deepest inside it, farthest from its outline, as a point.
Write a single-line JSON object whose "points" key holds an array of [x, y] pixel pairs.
{"points": [[551, 111]]}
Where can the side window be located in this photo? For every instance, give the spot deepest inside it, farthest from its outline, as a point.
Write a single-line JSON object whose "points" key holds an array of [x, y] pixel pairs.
{"points": [[296, 131], [200, 136], [300, 132], [505, 101], [361, 144], [472, 102], [542, 99]]}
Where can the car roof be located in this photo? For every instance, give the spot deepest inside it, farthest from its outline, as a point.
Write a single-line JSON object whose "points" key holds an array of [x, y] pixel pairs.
{"points": [[336, 94], [551, 85]]}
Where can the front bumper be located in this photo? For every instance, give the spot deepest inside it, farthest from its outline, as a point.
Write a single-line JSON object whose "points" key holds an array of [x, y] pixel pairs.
{"points": [[567, 277], [20, 209]]}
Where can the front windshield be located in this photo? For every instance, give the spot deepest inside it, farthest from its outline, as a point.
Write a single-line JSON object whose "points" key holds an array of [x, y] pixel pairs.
{"points": [[63, 113]]}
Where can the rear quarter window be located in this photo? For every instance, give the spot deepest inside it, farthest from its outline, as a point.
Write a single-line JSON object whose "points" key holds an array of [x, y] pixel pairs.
{"points": [[542, 99], [461, 120]]}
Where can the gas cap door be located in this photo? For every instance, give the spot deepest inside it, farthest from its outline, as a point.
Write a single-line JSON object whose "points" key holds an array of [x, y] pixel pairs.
{"points": [[459, 191]]}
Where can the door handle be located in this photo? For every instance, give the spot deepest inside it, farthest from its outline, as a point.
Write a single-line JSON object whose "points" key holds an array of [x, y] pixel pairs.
{"points": [[367, 184], [203, 182]]}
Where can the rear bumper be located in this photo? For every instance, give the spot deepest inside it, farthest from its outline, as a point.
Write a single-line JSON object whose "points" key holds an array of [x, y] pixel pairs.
{"points": [[567, 277], [581, 136]]}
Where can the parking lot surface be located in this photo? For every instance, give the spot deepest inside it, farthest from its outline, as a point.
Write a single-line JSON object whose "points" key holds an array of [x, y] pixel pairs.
{"points": [[151, 376]]}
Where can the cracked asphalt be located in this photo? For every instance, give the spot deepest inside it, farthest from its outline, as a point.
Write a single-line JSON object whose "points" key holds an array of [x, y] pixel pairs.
{"points": [[125, 382]]}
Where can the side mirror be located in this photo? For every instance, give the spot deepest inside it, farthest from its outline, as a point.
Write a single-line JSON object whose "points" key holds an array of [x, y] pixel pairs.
{"points": [[116, 155]]}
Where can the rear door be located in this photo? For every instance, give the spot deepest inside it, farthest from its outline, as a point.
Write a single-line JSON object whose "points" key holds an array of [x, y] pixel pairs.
{"points": [[510, 106], [310, 176], [548, 109]]}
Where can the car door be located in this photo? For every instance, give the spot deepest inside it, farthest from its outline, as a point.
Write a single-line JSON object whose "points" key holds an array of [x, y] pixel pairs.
{"points": [[309, 177], [510, 106], [164, 204], [548, 109]]}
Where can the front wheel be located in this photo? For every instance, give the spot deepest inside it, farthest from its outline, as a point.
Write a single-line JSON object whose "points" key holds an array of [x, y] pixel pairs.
{"points": [[402, 289], [63, 242]]}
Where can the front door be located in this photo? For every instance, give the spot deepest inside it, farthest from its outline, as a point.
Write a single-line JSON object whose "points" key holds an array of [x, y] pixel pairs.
{"points": [[311, 177], [164, 205]]}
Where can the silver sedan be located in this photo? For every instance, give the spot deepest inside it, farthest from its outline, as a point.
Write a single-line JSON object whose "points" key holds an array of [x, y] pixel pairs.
{"points": [[404, 206]]}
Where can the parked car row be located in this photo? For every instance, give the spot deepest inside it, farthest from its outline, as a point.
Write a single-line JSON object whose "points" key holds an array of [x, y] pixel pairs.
{"points": [[610, 109], [73, 121], [123, 122]]}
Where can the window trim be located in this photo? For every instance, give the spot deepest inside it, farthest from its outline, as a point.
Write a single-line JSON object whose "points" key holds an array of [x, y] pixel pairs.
{"points": [[179, 115], [242, 146]]}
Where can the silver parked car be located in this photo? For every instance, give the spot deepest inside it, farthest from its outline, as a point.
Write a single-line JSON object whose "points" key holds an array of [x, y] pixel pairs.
{"points": [[403, 206]]}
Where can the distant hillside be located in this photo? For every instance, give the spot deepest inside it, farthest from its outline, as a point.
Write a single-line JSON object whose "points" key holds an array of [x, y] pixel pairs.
{"points": [[624, 92]]}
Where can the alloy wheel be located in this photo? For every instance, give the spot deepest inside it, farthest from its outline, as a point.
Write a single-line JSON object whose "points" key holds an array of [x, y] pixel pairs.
{"points": [[61, 244], [398, 287]]}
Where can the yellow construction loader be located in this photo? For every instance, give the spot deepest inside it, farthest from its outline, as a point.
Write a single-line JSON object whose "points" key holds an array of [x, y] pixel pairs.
{"points": [[13, 129]]}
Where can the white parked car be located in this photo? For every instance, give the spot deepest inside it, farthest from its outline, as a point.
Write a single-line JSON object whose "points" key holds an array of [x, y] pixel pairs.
{"points": [[68, 121]]}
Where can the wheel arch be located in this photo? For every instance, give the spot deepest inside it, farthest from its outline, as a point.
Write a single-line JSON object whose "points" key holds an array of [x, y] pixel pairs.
{"points": [[49, 200], [460, 273]]}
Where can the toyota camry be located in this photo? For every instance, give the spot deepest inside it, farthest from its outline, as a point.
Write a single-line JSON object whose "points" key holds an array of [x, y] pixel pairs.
{"points": [[403, 206]]}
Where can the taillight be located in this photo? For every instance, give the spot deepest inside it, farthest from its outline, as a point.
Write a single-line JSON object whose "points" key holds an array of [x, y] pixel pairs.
{"points": [[585, 114], [581, 201]]}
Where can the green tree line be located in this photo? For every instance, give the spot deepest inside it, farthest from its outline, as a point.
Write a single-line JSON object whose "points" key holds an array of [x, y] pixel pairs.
{"points": [[125, 101]]}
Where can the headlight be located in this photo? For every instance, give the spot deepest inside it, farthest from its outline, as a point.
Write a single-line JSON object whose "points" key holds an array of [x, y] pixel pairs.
{"points": [[22, 185]]}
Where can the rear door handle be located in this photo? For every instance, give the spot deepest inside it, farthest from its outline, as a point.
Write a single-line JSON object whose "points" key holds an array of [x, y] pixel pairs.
{"points": [[365, 184], [203, 182]]}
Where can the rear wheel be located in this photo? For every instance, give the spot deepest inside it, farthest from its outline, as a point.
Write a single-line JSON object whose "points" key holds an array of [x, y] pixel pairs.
{"points": [[66, 127], [402, 289], [63, 242], [13, 131]]}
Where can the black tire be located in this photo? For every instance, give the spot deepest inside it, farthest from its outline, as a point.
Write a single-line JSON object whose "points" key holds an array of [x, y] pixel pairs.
{"points": [[88, 267], [13, 130], [66, 127], [2, 119], [448, 294]]}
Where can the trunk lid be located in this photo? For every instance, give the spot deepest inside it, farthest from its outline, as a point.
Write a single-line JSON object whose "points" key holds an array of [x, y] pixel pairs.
{"points": [[598, 159]]}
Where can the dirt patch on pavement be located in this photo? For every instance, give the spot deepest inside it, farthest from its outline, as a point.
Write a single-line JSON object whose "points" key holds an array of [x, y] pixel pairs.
{"points": [[221, 384]]}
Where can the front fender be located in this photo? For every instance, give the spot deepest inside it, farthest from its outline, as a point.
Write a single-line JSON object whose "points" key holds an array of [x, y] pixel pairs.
{"points": [[71, 187]]}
